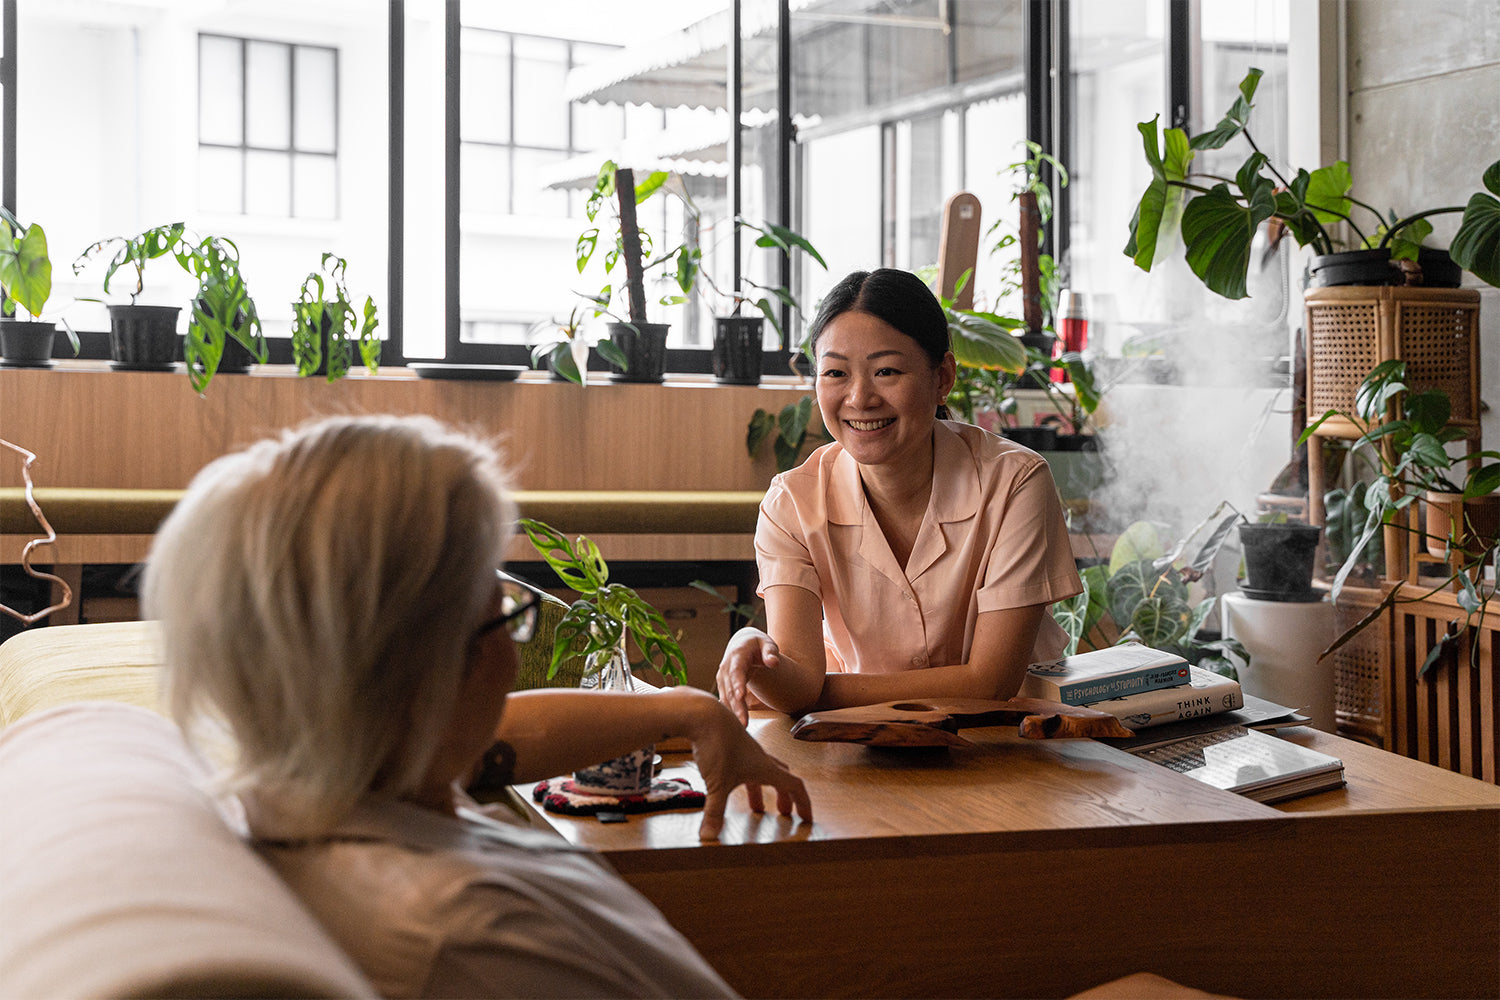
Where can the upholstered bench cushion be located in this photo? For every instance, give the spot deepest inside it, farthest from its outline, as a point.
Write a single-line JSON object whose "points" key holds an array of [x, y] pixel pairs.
{"points": [[119, 876], [109, 661]]}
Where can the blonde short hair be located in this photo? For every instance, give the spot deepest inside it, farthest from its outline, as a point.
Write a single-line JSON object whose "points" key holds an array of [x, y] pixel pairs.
{"points": [[317, 593]]}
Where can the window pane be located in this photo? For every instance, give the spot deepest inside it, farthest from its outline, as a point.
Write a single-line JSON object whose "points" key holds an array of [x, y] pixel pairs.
{"points": [[220, 81], [485, 97], [268, 183], [268, 95], [220, 179], [315, 187], [531, 197], [317, 99], [541, 74], [485, 184]]}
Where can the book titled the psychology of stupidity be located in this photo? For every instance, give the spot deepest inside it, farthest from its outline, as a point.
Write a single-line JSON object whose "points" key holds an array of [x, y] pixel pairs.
{"points": [[1205, 693], [1113, 672]]}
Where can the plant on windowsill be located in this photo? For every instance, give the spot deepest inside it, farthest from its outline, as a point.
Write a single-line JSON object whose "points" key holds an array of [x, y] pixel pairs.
{"points": [[597, 626], [325, 325], [1407, 431], [635, 349], [26, 283], [224, 331], [141, 337], [1216, 218], [562, 347]]}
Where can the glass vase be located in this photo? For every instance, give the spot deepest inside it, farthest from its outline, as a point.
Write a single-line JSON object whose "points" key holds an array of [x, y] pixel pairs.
{"points": [[631, 773]]}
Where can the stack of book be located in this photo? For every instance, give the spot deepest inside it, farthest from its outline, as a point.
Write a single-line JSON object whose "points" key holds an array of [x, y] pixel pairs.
{"points": [[1138, 685], [1189, 719]]}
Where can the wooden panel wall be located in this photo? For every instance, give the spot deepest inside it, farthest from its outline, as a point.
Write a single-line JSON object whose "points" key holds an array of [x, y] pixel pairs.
{"points": [[90, 426]]}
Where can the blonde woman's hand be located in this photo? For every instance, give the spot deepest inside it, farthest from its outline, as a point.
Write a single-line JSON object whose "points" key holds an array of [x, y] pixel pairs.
{"points": [[750, 651], [728, 756]]}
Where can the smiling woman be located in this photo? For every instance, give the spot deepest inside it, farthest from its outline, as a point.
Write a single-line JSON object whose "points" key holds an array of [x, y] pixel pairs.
{"points": [[914, 557]]}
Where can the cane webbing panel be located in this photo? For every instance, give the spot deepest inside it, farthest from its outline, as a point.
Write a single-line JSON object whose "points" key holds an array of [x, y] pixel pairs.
{"points": [[1434, 339], [1344, 347], [1360, 672]]}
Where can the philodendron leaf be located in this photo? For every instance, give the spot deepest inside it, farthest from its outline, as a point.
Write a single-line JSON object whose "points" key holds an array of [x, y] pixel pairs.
{"points": [[981, 341], [1160, 206], [1476, 245], [610, 351], [1218, 230], [25, 269], [794, 418], [762, 426], [1137, 542], [1327, 192], [1161, 618], [644, 189]]}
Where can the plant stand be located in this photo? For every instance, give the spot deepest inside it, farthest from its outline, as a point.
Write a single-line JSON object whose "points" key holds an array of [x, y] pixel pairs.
{"points": [[1351, 329]]}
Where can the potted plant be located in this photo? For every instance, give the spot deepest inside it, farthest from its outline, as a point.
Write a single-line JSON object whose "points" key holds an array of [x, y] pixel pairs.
{"points": [[141, 337], [596, 626], [1407, 430], [1143, 593], [325, 323], [562, 347], [26, 282], [635, 349], [1217, 217], [738, 340], [224, 331]]}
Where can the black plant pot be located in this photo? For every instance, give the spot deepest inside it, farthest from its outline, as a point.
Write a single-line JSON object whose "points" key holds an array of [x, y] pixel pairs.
{"points": [[1076, 442], [645, 349], [143, 337], [737, 349], [1279, 561], [25, 342], [237, 358], [1043, 438], [1433, 269]]}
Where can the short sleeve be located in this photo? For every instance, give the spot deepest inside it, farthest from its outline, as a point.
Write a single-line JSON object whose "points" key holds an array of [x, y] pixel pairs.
{"points": [[1031, 559], [782, 556]]}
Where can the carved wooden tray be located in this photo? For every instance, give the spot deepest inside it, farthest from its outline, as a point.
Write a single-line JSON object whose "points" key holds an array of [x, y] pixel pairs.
{"points": [[937, 722]]}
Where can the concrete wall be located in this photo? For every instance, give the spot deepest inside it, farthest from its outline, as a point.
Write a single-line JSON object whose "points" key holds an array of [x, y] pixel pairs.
{"points": [[1423, 79]]}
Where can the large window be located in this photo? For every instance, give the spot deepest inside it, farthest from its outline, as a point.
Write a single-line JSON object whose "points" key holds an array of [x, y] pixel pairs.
{"points": [[267, 128]]}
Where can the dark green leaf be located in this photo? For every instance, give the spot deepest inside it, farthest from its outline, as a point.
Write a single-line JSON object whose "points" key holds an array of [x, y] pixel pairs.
{"points": [[1327, 193], [1476, 245], [762, 425], [1217, 231]]}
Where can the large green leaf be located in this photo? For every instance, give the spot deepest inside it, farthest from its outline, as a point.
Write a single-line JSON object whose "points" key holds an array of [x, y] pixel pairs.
{"points": [[1236, 118], [1218, 230], [1476, 245], [25, 269], [1160, 207], [983, 340], [1327, 192], [1139, 541], [1161, 619]]}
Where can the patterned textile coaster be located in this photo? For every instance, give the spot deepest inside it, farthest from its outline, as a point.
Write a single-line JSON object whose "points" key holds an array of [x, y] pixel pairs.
{"points": [[558, 795]]}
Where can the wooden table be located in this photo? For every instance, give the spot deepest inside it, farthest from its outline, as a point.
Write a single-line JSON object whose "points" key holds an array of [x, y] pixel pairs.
{"points": [[1040, 868]]}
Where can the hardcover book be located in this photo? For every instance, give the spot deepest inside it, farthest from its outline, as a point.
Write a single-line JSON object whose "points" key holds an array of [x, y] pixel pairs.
{"points": [[1085, 678], [1205, 693]]}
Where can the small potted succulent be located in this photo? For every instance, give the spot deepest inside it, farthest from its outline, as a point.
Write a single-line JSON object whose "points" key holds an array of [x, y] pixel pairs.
{"points": [[26, 284], [141, 337], [326, 325]]}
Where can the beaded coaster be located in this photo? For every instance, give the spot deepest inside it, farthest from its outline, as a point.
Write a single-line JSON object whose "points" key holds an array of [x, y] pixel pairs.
{"points": [[559, 795]]}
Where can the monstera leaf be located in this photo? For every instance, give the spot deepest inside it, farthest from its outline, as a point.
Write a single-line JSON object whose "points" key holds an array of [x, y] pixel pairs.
{"points": [[1476, 245]]}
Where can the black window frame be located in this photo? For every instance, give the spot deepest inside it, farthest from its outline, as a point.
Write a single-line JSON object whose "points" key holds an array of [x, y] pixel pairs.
{"points": [[1047, 97]]}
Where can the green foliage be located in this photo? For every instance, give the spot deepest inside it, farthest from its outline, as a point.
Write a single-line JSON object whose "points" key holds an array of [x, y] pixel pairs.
{"points": [[25, 268], [1217, 217], [325, 305], [221, 309], [604, 612], [134, 252], [748, 614], [789, 431], [1145, 590], [1406, 432]]}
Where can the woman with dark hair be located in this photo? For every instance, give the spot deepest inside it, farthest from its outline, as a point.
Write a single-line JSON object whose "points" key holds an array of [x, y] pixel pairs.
{"points": [[913, 557]]}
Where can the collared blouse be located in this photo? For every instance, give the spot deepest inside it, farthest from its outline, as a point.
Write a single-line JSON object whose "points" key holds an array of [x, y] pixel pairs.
{"points": [[993, 537]]}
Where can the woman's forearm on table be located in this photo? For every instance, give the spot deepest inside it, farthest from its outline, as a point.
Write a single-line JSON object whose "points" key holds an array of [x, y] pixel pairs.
{"points": [[554, 731]]}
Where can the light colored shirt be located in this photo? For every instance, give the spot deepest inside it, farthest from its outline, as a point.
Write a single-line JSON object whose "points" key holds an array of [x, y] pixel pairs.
{"points": [[439, 906], [993, 537]]}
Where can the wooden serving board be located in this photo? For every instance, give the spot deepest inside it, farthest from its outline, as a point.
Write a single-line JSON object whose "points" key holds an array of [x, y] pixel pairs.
{"points": [[937, 722]]}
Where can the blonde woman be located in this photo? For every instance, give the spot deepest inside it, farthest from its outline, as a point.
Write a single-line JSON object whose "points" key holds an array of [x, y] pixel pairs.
{"points": [[331, 599]]}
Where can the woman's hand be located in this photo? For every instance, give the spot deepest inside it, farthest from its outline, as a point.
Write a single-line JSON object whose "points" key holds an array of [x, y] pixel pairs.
{"points": [[750, 651], [728, 757]]}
